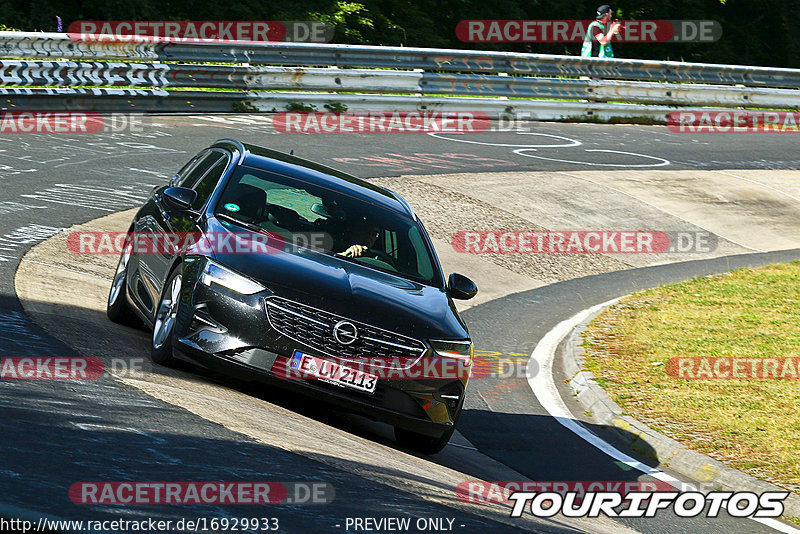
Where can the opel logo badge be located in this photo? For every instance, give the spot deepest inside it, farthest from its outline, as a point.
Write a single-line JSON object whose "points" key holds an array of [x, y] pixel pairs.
{"points": [[345, 332]]}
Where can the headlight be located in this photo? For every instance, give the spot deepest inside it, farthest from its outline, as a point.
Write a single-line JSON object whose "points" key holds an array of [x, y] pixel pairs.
{"points": [[214, 273], [459, 350]]}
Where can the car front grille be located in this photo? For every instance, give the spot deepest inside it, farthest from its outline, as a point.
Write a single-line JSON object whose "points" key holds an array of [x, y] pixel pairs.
{"points": [[314, 328]]}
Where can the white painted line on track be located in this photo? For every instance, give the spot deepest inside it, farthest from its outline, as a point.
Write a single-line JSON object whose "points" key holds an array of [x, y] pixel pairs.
{"points": [[571, 142], [521, 150], [660, 209], [543, 385], [784, 193], [661, 161]]}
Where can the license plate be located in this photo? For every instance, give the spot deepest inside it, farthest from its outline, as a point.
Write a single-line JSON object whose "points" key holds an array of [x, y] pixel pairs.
{"points": [[333, 372]]}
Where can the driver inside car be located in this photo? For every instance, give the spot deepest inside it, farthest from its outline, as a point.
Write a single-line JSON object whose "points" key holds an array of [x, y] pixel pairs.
{"points": [[363, 237]]}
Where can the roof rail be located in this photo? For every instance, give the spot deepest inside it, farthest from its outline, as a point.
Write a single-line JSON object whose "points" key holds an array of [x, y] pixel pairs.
{"points": [[235, 142]]}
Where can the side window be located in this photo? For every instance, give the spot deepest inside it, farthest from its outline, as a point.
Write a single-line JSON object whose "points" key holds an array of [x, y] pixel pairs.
{"points": [[205, 163], [178, 177], [208, 182], [189, 164]]}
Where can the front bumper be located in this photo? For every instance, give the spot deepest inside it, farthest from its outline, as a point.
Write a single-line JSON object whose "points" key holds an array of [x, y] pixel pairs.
{"points": [[230, 333]]}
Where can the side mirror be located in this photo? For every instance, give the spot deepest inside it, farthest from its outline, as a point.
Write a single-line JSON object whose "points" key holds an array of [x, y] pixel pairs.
{"points": [[460, 287], [179, 198]]}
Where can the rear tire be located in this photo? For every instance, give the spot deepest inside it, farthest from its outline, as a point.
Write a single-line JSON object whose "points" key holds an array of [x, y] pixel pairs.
{"points": [[164, 325], [420, 442], [117, 308]]}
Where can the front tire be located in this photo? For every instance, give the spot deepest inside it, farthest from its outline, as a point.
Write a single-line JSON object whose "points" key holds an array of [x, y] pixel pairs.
{"points": [[420, 442], [164, 326], [117, 308]]}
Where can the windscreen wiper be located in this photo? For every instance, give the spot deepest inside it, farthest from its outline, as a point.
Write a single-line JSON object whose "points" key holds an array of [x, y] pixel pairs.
{"points": [[243, 224]]}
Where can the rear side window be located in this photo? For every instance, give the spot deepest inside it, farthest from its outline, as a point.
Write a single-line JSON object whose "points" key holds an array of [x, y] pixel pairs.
{"points": [[208, 182], [190, 178], [177, 178], [190, 163]]}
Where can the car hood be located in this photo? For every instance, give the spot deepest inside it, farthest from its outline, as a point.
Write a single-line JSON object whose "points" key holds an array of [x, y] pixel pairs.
{"points": [[351, 290]]}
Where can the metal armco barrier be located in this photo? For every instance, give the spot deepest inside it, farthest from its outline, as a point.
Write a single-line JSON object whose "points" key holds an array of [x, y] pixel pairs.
{"points": [[111, 74], [350, 68], [160, 101]]}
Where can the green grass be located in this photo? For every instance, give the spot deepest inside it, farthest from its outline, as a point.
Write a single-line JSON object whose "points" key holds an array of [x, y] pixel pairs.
{"points": [[753, 425]]}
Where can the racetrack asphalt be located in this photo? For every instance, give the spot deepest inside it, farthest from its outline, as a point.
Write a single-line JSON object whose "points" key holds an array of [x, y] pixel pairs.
{"points": [[52, 434]]}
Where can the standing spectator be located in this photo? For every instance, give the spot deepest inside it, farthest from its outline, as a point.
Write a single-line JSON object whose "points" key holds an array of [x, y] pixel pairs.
{"points": [[597, 42]]}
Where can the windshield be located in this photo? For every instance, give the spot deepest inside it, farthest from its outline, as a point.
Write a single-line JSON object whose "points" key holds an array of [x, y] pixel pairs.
{"points": [[329, 221]]}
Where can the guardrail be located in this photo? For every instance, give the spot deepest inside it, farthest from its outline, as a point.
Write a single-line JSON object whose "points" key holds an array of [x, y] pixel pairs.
{"points": [[513, 79]]}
